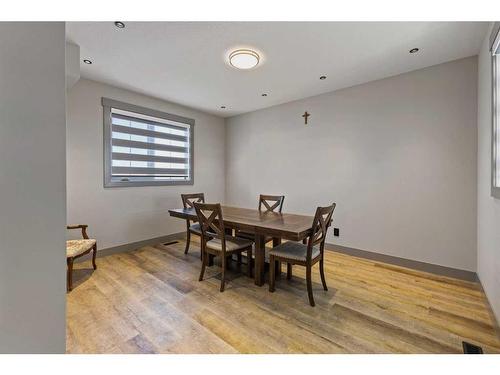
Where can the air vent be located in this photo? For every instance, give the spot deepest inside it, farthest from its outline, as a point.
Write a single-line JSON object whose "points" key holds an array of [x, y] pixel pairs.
{"points": [[471, 348], [170, 243]]}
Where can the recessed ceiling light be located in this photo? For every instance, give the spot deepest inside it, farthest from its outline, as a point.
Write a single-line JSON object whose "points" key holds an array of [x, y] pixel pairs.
{"points": [[87, 61], [264, 94], [322, 77], [244, 59], [223, 107], [119, 24], [414, 50]]}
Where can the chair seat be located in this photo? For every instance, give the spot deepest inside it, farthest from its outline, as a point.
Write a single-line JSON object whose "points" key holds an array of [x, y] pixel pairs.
{"points": [[294, 251], [196, 229], [232, 243], [77, 247]]}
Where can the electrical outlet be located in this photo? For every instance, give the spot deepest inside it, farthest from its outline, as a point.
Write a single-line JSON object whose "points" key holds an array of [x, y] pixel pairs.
{"points": [[336, 232]]}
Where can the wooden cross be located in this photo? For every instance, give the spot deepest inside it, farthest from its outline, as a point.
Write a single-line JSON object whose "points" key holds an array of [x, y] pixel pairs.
{"points": [[305, 115]]}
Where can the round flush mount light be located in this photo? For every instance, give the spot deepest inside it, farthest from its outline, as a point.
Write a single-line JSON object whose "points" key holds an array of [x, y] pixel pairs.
{"points": [[322, 78], [87, 61], [414, 50], [119, 24], [244, 59]]}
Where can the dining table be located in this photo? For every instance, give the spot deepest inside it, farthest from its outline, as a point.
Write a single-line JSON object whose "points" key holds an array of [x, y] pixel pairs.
{"points": [[263, 224]]}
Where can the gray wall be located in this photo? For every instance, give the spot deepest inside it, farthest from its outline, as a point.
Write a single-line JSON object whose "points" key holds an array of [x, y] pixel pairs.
{"points": [[488, 218], [397, 155], [119, 216], [32, 183]]}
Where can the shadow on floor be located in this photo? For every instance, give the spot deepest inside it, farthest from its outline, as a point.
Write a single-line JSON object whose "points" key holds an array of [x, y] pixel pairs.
{"points": [[80, 275]]}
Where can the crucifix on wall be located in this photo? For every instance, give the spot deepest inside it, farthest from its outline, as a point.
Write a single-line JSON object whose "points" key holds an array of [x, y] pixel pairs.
{"points": [[305, 115]]}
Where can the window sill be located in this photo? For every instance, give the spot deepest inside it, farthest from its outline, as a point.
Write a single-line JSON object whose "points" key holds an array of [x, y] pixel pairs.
{"points": [[114, 184]]}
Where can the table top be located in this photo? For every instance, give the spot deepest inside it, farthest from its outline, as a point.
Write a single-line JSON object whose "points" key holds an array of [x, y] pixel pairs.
{"points": [[282, 225]]}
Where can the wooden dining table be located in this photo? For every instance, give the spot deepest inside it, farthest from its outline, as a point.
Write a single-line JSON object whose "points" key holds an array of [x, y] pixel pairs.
{"points": [[262, 224]]}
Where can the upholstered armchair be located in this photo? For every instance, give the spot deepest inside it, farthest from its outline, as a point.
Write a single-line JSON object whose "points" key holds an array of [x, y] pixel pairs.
{"points": [[76, 249]]}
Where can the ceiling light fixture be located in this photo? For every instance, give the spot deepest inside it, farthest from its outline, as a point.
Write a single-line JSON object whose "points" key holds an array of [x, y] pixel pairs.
{"points": [[119, 24], [87, 61], [244, 59], [223, 107], [264, 94], [414, 50], [322, 77]]}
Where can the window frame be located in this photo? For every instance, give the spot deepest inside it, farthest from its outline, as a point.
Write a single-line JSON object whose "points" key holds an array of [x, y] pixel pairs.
{"points": [[108, 105], [495, 121]]}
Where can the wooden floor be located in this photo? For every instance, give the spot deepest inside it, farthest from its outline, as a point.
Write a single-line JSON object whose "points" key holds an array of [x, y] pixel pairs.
{"points": [[150, 301]]}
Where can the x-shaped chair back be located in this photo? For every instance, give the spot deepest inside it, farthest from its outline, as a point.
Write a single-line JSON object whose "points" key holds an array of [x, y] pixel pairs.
{"points": [[321, 222], [211, 223], [271, 202], [189, 199]]}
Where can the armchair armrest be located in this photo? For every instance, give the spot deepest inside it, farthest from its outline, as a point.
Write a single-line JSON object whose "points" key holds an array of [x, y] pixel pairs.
{"points": [[83, 227]]}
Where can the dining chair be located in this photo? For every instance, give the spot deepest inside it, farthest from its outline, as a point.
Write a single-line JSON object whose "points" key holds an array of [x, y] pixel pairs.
{"points": [[304, 255], [187, 202], [215, 241], [76, 249]]}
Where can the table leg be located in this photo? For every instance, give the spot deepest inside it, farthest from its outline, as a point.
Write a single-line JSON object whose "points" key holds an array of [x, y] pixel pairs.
{"points": [[276, 242], [259, 259]]}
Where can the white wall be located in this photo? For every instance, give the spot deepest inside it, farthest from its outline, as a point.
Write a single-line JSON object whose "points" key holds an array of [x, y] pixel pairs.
{"points": [[488, 218], [397, 155], [119, 216], [32, 186]]}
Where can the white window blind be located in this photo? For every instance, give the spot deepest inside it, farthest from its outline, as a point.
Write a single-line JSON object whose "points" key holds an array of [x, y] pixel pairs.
{"points": [[146, 147]]}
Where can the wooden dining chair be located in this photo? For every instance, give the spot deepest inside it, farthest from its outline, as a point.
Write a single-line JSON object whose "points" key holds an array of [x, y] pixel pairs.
{"points": [[215, 241], [304, 255], [194, 228], [76, 249]]}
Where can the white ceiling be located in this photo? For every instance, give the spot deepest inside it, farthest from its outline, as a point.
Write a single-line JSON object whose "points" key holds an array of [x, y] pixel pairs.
{"points": [[185, 62]]}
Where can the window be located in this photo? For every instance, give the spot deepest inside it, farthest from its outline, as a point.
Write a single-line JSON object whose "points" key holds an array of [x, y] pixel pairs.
{"points": [[144, 147], [495, 108]]}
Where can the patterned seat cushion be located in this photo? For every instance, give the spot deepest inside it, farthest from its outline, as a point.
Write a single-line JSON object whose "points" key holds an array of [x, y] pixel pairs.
{"points": [[232, 243], [293, 250], [77, 247], [195, 228]]}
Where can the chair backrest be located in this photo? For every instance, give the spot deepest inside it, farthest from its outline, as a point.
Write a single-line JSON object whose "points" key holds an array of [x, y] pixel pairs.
{"points": [[189, 199], [211, 222], [321, 223], [271, 202]]}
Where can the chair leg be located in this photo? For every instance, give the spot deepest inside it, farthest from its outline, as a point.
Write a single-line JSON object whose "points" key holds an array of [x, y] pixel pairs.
{"points": [[289, 271], [277, 269], [204, 262], [322, 273], [223, 276], [69, 274], [272, 266], [249, 262], [188, 240], [309, 285], [94, 254], [277, 242]]}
